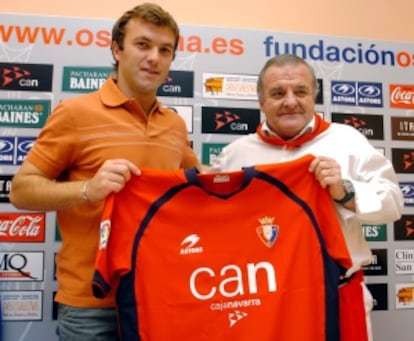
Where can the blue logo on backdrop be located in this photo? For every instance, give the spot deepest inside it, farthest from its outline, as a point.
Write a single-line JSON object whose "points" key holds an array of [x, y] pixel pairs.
{"points": [[370, 94], [407, 188], [366, 94], [13, 150], [343, 92], [7, 150]]}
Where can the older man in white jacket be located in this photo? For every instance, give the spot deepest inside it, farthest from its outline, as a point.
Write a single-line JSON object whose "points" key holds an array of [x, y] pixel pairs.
{"points": [[359, 178]]}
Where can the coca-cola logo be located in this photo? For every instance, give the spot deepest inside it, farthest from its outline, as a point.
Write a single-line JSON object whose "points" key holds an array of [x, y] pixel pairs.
{"points": [[400, 95], [22, 227]]}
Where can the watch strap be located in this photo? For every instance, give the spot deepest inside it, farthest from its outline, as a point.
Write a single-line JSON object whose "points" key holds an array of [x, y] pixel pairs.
{"points": [[348, 196]]}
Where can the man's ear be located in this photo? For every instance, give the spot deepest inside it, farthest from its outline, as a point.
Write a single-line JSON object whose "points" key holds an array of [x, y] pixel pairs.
{"points": [[115, 50]]}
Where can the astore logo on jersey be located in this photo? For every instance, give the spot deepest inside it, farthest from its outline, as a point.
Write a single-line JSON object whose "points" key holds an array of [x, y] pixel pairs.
{"points": [[188, 245]]}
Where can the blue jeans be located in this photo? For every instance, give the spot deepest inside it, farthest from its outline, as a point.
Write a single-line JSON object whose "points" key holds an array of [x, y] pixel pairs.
{"points": [[86, 324]]}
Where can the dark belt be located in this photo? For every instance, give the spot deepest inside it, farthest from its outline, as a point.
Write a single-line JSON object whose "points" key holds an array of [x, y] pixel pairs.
{"points": [[358, 276], [345, 280]]}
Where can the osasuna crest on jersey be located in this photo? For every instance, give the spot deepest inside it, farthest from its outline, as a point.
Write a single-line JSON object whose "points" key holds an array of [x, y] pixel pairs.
{"points": [[267, 232]]}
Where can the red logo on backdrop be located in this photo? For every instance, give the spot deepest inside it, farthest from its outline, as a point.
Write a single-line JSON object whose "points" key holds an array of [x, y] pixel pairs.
{"points": [[22, 227], [403, 160], [409, 227], [355, 122], [404, 228], [13, 73], [224, 118], [408, 160], [402, 96]]}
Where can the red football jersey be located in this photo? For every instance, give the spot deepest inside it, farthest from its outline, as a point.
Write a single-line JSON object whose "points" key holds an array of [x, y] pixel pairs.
{"points": [[253, 254]]}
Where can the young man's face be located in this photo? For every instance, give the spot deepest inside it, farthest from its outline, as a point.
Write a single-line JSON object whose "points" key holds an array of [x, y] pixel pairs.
{"points": [[144, 62]]}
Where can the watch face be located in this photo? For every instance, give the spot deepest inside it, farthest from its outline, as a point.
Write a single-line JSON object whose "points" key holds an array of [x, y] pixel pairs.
{"points": [[349, 187]]}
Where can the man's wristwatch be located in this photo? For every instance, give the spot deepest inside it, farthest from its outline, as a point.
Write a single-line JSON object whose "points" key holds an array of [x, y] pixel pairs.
{"points": [[349, 192]]}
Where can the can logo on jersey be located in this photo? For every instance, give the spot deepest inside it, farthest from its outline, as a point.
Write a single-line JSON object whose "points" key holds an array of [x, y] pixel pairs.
{"points": [[178, 84], [371, 126], [26, 77], [364, 94], [238, 121], [267, 231]]}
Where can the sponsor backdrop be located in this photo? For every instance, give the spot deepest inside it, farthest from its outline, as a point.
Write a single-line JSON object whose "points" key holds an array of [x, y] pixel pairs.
{"points": [[366, 84]]}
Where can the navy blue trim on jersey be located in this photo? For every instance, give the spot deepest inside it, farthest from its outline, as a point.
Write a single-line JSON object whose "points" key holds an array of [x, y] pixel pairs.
{"points": [[126, 290], [127, 300], [332, 270], [191, 175], [100, 287]]}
